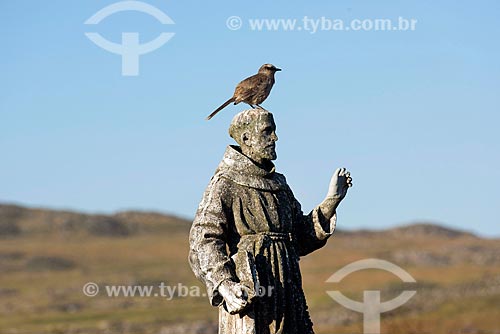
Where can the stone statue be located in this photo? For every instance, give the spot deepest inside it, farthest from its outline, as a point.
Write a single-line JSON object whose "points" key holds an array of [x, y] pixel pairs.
{"points": [[249, 233]]}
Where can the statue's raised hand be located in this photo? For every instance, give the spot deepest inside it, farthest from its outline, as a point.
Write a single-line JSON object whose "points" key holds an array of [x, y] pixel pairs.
{"points": [[339, 184]]}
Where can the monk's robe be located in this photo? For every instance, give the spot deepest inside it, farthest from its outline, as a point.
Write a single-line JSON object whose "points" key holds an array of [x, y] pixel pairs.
{"points": [[249, 228]]}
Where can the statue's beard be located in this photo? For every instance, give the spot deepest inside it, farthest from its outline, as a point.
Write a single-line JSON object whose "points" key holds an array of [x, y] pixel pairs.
{"points": [[266, 153]]}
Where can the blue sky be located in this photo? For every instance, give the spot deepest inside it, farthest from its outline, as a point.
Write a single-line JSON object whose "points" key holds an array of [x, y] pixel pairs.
{"points": [[413, 114]]}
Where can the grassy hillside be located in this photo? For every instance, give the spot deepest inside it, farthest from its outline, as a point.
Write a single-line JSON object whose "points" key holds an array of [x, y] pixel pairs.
{"points": [[46, 257]]}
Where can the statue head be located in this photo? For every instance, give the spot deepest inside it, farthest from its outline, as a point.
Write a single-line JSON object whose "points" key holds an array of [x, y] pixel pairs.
{"points": [[254, 130]]}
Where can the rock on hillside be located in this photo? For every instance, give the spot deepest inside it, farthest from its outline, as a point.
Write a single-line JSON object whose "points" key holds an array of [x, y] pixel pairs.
{"points": [[426, 229]]}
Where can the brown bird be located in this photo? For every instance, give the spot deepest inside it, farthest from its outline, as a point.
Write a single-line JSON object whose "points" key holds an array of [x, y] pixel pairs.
{"points": [[253, 90]]}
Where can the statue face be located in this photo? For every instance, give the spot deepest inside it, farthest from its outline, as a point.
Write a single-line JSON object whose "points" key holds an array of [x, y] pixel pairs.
{"points": [[262, 139]]}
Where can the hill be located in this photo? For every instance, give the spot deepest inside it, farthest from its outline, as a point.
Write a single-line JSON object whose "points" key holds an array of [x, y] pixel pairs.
{"points": [[47, 257], [16, 220]]}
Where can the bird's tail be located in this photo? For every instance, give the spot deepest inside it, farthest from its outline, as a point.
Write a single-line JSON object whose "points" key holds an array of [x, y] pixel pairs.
{"points": [[220, 108]]}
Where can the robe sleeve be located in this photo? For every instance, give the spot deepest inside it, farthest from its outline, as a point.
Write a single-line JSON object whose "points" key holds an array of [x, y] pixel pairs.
{"points": [[208, 256], [312, 231]]}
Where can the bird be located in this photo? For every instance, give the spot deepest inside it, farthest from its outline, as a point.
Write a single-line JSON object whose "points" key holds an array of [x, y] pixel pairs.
{"points": [[252, 90]]}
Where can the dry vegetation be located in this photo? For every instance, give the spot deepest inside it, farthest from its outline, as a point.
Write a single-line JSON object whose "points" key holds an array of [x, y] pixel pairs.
{"points": [[46, 257]]}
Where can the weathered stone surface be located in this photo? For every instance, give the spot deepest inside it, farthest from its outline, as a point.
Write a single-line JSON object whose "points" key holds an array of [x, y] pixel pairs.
{"points": [[249, 233]]}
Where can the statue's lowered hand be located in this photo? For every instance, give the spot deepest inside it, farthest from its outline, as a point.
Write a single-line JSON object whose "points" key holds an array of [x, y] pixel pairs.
{"points": [[236, 296]]}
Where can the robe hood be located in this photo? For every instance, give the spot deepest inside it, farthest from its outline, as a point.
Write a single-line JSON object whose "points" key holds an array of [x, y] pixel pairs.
{"points": [[240, 169]]}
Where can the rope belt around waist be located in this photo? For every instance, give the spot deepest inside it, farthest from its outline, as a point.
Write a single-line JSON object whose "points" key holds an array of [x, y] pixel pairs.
{"points": [[276, 236]]}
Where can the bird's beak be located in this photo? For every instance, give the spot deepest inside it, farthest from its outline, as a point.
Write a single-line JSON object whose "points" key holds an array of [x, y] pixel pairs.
{"points": [[277, 69]]}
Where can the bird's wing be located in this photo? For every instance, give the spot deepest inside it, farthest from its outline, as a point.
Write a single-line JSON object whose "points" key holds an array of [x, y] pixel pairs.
{"points": [[250, 87]]}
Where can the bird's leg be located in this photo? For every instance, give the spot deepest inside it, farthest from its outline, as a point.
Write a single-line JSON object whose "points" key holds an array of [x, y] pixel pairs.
{"points": [[262, 108], [251, 105]]}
